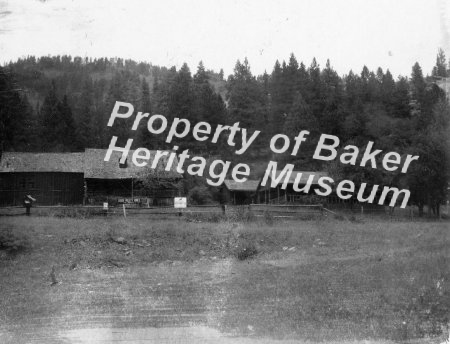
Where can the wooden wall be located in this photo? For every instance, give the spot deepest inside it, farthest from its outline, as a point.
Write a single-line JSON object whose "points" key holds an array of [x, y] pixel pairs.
{"points": [[49, 188]]}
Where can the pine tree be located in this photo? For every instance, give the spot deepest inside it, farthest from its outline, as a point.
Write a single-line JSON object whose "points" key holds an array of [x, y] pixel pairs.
{"points": [[440, 69], [145, 103], [66, 127], [85, 130], [428, 178], [387, 91], [331, 115], [15, 115], [245, 99], [278, 109], [314, 90], [49, 116], [201, 77], [57, 126], [401, 100], [301, 118], [417, 83]]}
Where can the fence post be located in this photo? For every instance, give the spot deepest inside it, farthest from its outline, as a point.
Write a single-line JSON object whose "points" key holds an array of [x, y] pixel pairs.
{"points": [[124, 211]]}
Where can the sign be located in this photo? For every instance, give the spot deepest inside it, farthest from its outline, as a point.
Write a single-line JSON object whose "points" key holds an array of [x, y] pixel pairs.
{"points": [[179, 202], [105, 205]]}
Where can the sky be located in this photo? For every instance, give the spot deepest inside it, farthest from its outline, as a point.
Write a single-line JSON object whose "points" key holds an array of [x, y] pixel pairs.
{"points": [[390, 34]]}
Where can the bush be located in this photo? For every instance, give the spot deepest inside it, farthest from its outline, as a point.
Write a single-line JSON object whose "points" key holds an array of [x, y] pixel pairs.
{"points": [[200, 195], [13, 243], [246, 250]]}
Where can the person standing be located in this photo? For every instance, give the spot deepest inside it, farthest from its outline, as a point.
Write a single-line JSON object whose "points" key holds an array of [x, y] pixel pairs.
{"points": [[27, 202]]}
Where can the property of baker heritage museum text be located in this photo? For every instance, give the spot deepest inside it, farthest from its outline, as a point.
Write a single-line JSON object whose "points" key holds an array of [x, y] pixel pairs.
{"points": [[325, 150]]}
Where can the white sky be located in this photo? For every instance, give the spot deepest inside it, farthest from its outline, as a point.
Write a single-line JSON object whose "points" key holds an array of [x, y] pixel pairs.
{"points": [[392, 34]]}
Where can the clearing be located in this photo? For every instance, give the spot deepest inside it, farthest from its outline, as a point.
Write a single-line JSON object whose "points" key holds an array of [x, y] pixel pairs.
{"points": [[139, 280]]}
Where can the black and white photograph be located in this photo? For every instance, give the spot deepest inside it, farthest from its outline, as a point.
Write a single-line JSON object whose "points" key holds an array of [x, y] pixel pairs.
{"points": [[225, 171]]}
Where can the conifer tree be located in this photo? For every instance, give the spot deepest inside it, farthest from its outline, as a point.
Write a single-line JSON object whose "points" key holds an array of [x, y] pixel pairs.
{"points": [[440, 69]]}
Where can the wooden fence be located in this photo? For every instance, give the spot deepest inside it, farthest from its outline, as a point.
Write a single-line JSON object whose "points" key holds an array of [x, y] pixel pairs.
{"points": [[275, 210], [133, 211]]}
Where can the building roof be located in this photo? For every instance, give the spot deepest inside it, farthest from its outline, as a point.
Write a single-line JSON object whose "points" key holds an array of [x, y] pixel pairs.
{"points": [[96, 167], [248, 185], [304, 177], [91, 163], [42, 162]]}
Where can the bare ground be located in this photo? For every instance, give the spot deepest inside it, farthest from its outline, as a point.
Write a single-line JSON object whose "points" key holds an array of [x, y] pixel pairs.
{"points": [[178, 282]]}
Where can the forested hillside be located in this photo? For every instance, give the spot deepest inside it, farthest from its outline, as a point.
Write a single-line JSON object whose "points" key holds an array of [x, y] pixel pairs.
{"points": [[62, 103]]}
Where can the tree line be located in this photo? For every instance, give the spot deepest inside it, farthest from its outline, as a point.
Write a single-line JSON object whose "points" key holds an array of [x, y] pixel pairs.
{"points": [[60, 103]]}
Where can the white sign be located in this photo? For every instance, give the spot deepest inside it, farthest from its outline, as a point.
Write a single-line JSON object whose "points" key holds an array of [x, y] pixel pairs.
{"points": [[105, 205], [179, 202]]}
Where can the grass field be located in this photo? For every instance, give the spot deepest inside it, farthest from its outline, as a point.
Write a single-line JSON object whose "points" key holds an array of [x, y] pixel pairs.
{"points": [[320, 280]]}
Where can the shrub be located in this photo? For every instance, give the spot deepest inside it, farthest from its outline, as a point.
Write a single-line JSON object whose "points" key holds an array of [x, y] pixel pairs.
{"points": [[200, 195], [246, 250], [13, 243]]}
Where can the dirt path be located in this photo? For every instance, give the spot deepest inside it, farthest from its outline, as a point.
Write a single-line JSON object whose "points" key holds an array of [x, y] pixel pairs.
{"points": [[167, 303], [328, 284]]}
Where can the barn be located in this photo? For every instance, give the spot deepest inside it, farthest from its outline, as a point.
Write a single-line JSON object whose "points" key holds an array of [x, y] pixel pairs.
{"points": [[77, 178], [52, 178]]}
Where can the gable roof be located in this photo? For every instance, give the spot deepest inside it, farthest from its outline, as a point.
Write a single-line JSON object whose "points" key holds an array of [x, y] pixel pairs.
{"points": [[304, 177], [96, 167], [248, 185], [42, 162], [91, 163]]}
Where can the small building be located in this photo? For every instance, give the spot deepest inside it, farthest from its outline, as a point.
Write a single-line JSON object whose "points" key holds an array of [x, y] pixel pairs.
{"points": [[267, 194], [111, 180], [51, 178], [240, 192]]}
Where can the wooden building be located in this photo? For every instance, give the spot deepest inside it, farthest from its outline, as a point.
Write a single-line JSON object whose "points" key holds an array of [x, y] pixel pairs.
{"points": [[77, 178], [51, 178], [113, 181], [267, 194], [240, 193]]}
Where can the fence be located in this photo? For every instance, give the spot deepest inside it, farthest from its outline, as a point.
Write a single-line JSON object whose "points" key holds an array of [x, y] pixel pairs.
{"points": [[278, 210], [286, 211], [386, 212]]}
